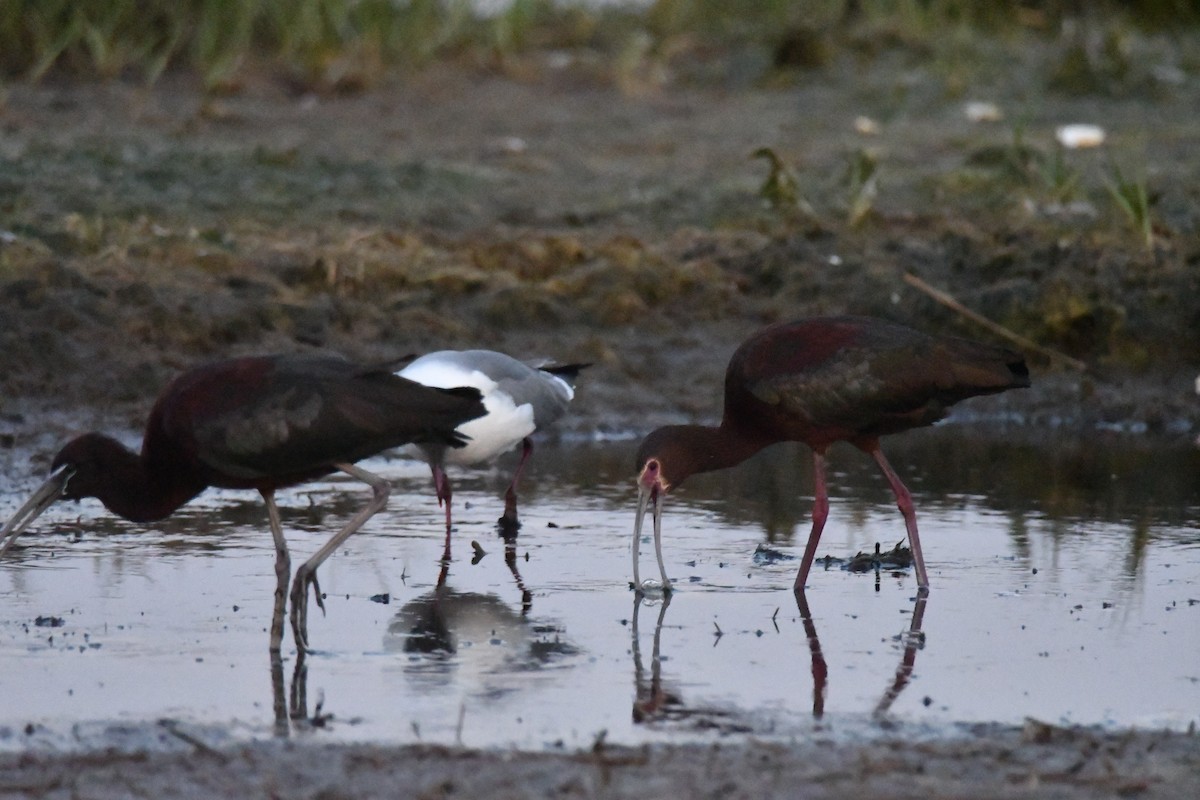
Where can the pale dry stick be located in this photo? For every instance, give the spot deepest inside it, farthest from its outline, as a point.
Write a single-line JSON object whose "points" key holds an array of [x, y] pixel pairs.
{"points": [[949, 301]]}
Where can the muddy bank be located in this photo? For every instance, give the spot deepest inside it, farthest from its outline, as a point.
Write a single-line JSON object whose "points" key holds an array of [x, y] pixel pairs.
{"points": [[1038, 761], [146, 229]]}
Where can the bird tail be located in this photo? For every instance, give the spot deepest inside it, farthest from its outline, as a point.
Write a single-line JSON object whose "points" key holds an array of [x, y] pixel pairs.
{"points": [[452, 437], [568, 372], [394, 364], [1020, 370], [987, 368], [465, 392]]}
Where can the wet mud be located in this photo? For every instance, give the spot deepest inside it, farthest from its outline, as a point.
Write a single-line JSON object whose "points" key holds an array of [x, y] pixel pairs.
{"points": [[1035, 762]]}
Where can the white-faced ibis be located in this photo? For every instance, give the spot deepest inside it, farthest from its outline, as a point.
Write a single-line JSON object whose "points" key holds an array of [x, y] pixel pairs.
{"points": [[257, 423], [820, 381], [520, 399]]}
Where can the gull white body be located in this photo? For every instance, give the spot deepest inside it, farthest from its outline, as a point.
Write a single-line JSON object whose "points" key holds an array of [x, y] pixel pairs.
{"points": [[519, 399]]}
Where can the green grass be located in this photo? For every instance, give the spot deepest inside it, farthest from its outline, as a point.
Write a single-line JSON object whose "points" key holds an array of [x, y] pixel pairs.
{"points": [[862, 185], [345, 43], [781, 188], [328, 41], [1132, 198]]}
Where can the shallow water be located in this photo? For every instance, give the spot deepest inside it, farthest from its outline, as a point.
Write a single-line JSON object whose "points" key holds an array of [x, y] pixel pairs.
{"points": [[1065, 586]]}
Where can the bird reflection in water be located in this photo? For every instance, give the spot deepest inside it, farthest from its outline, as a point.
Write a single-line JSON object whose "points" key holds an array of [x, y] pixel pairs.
{"points": [[510, 561], [434, 623], [652, 701], [820, 670], [913, 639], [446, 625], [291, 709], [469, 636], [443, 624]]}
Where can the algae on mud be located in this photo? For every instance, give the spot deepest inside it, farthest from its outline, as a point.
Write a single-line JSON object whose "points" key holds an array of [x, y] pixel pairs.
{"points": [[142, 236]]}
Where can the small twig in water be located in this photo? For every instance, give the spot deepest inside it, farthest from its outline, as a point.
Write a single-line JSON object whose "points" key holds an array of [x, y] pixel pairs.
{"points": [[170, 726]]}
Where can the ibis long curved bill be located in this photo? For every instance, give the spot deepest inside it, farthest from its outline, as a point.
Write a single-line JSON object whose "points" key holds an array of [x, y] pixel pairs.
{"points": [[43, 498], [650, 496]]}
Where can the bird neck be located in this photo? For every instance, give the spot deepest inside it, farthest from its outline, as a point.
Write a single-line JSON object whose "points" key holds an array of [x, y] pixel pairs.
{"points": [[138, 489], [710, 448]]}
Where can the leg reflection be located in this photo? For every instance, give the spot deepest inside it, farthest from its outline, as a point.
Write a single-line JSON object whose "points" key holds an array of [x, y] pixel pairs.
{"points": [[914, 640], [444, 562], [298, 700], [820, 670], [510, 558], [290, 704]]}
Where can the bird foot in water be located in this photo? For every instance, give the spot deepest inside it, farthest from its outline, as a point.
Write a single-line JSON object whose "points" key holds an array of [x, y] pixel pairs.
{"points": [[508, 526], [317, 593]]}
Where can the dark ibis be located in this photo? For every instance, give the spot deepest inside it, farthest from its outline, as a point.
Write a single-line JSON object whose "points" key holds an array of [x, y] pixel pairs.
{"points": [[519, 398], [262, 423], [820, 381]]}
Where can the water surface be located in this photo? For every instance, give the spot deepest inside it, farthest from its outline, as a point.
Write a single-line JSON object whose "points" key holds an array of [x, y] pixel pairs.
{"points": [[1065, 573]]}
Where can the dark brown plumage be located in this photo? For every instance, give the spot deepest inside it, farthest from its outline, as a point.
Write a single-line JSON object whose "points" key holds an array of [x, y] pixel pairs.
{"points": [[260, 423], [820, 381]]}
